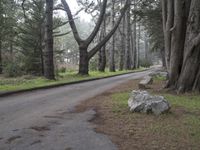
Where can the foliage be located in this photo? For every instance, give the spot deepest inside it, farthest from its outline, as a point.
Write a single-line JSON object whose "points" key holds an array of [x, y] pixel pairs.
{"points": [[145, 63], [62, 70], [12, 70]]}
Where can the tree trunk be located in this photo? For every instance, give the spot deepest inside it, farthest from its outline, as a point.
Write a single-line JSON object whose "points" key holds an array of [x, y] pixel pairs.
{"points": [[190, 73], [48, 52], [1, 68], [112, 49], [162, 52], [134, 40], [177, 43], [42, 47], [128, 40], [102, 52], [122, 51], [146, 47], [168, 14], [102, 59], [138, 47], [84, 61]]}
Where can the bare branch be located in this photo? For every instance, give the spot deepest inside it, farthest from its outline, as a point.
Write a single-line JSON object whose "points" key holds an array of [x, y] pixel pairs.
{"points": [[62, 34], [71, 22]]}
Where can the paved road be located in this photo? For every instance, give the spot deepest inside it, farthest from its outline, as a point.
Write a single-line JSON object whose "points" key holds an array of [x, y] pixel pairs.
{"points": [[42, 120]]}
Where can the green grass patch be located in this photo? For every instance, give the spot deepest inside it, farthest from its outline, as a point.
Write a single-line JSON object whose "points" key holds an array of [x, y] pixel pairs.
{"points": [[175, 126], [190, 102], [20, 83], [120, 102], [159, 78]]}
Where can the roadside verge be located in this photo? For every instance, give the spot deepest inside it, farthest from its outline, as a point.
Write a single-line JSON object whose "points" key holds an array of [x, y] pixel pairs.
{"points": [[8, 93]]}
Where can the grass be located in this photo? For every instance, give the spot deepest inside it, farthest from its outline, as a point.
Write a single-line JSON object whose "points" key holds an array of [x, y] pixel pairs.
{"points": [[190, 102], [27, 82], [182, 122]]}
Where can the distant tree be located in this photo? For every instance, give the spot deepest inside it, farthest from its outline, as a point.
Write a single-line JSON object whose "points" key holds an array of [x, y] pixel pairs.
{"points": [[31, 37], [112, 49], [128, 38], [8, 23]]}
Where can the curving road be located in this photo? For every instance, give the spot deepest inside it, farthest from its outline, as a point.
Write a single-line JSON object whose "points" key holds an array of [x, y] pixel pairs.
{"points": [[42, 120]]}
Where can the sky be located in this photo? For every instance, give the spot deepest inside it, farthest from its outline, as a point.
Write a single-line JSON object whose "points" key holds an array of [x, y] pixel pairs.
{"points": [[74, 8]]}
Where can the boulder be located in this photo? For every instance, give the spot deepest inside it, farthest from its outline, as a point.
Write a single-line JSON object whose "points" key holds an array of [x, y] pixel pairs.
{"points": [[146, 81], [142, 101]]}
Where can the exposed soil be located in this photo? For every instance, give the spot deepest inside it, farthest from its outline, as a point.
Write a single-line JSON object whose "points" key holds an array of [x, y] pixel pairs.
{"points": [[139, 131]]}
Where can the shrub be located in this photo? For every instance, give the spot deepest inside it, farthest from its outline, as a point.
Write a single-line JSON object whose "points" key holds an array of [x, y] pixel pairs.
{"points": [[145, 63], [12, 70], [62, 70]]}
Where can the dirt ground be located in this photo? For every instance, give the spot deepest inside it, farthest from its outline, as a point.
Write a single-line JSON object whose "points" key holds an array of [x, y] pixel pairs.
{"points": [[139, 131]]}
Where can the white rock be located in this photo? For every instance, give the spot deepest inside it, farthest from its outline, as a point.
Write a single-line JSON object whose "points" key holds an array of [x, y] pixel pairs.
{"points": [[142, 101], [146, 81]]}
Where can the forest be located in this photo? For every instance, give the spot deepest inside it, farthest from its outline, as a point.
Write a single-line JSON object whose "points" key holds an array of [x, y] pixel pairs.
{"points": [[99, 74], [45, 38]]}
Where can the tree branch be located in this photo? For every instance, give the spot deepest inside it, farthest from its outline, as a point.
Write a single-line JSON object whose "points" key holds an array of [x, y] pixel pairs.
{"points": [[62, 34], [109, 35], [71, 22], [98, 24]]}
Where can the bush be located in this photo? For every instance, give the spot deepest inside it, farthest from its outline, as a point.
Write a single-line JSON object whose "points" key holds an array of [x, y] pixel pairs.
{"points": [[62, 70], [145, 63], [12, 70], [93, 65]]}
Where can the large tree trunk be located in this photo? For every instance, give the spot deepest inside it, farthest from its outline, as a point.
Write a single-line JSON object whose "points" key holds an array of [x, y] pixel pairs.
{"points": [[102, 52], [112, 49], [128, 40], [190, 73], [146, 47], [42, 47], [177, 43], [102, 59], [122, 50], [1, 69], [168, 14], [83, 61], [134, 44], [48, 52], [162, 52], [138, 47]]}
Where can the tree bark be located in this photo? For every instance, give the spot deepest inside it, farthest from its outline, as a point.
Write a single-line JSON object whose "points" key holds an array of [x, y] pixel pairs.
{"points": [[84, 61], [168, 14], [102, 52], [1, 67], [112, 49], [162, 52], [122, 50], [48, 52], [190, 73], [138, 46], [128, 39]]}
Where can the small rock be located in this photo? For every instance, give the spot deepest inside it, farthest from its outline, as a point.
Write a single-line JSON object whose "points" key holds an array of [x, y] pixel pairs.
{"points": [[146, 81], [142, 101], [160, 73]]}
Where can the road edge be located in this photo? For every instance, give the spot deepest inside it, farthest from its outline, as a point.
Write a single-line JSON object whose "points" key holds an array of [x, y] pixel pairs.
{"points": [[5, 94]]}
